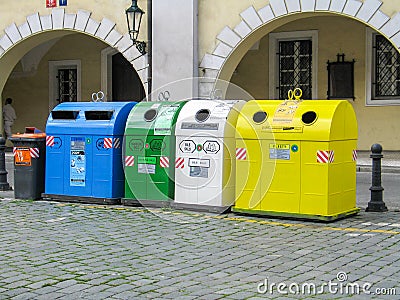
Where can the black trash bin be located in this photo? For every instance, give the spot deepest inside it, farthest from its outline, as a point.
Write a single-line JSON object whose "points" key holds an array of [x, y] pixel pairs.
{"points": [[29, 163]]}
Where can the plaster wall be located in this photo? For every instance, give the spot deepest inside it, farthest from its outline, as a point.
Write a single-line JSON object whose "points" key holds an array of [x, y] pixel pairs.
{"points": [[175, 59]]}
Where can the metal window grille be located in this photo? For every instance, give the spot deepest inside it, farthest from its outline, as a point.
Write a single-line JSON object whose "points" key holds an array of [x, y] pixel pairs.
{"points": [[67, 85], [387, 69], [295, 65]]}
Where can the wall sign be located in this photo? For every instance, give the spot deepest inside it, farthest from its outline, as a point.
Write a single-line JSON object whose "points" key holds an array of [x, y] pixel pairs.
{"points": [[51, 3]]}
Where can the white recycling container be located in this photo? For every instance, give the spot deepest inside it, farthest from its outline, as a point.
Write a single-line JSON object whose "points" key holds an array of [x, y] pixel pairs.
{"points": [[205, 155]]}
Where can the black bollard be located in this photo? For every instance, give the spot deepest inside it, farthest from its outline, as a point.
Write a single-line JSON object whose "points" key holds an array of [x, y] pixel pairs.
{"points": [[376, 204], [4, 185]]}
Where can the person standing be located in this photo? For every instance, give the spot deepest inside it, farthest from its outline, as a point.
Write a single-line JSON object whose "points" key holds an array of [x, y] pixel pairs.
{"points": [[9, 117]]}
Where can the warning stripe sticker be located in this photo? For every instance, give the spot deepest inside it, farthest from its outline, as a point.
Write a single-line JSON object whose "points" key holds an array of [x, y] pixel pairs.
{"points": [[34, 152], [164, 162], [325, 156], [241, 153], [180, 163], [129, 161], [117, 143], [49, 141], [110, 143], [354, 155]]}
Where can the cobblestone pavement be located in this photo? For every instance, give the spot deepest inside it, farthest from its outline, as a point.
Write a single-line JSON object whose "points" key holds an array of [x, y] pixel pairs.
{"points": [[63, 251]]}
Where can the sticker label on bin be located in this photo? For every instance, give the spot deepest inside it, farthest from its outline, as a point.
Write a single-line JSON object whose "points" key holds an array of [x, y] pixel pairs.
{"points": [[279, 151], [285, 112], [77, 162], [211, 147], [147, 165], [187, 146], [22, 156], [199, 167], [163, 123]]}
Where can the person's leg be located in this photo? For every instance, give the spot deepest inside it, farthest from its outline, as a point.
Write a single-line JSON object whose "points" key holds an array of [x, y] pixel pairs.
{"points": [[7, 129]]}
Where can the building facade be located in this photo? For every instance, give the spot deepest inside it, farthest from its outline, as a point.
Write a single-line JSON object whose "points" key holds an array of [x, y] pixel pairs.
{"points": [[264, 47]]}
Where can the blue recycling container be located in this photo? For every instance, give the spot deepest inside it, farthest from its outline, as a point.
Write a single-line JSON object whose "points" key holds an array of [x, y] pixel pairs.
{"points": [[84, 152]]}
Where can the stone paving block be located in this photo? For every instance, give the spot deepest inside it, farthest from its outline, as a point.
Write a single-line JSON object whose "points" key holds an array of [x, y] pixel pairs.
{"points": [[25, 296], [50, 295], [79, 287], [41, 283], [100, 295], [10, 293], [210, 297], [46, 290], [126, 295], [17, 284]]}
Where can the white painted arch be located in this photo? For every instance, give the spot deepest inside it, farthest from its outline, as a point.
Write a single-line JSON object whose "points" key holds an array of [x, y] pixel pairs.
{"points": [[59, 20], [233, 43]]}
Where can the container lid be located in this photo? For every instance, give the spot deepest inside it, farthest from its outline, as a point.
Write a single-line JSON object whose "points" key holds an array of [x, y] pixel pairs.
{"points": [[208, 117], [28, 136]]}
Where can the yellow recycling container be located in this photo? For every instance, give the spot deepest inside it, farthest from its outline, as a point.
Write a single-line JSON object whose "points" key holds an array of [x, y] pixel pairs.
{"points": [[296, 159]]}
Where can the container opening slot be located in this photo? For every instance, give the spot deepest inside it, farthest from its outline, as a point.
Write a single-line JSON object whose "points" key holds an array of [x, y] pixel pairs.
{"points": [[309, 117], [98, 114], [202, 115], [64, 114], [259, 117], [150, 115]]}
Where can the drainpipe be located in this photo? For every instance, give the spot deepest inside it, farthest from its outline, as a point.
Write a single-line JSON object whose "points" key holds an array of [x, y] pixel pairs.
{"points": [[149, 47]]}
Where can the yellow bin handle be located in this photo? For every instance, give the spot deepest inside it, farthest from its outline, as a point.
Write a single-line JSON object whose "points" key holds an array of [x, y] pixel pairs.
{"points": [[295, 94]]}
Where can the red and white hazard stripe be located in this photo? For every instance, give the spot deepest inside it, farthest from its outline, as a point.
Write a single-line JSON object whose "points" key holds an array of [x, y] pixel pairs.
{"points": [[354, 155], [110, 143], [325, 156], [34, 152], [164, 161], [129, 161], [49, 141], [180, 163], [241, 153]]}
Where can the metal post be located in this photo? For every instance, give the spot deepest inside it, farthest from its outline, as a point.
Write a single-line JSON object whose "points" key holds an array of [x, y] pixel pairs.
{"points": [[4, 185], [376, 204]]}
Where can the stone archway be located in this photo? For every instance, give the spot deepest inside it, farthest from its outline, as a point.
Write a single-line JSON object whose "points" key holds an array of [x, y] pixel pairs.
{"points": [[233, 44], [55, 24]]}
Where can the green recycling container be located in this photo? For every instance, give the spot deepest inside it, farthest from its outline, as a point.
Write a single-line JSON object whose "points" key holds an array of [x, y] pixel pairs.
{"points": [[149, 149]]}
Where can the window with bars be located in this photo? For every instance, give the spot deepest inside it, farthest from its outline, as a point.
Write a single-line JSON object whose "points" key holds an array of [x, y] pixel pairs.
{"points": [[295, 67], [67, 85], [386, 71]]}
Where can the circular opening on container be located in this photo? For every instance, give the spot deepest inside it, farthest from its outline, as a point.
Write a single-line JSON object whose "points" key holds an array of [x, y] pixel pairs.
{"points": [[309, 117], [150, 115], [260, 117], [202, 115]]}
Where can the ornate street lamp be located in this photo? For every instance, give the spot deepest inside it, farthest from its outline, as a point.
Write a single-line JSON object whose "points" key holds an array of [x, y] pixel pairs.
{"points": [[134, 18]]}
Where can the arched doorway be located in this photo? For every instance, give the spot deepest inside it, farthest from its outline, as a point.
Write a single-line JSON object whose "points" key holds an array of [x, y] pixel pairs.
{"points": [[243, 56], [56, 58]]}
